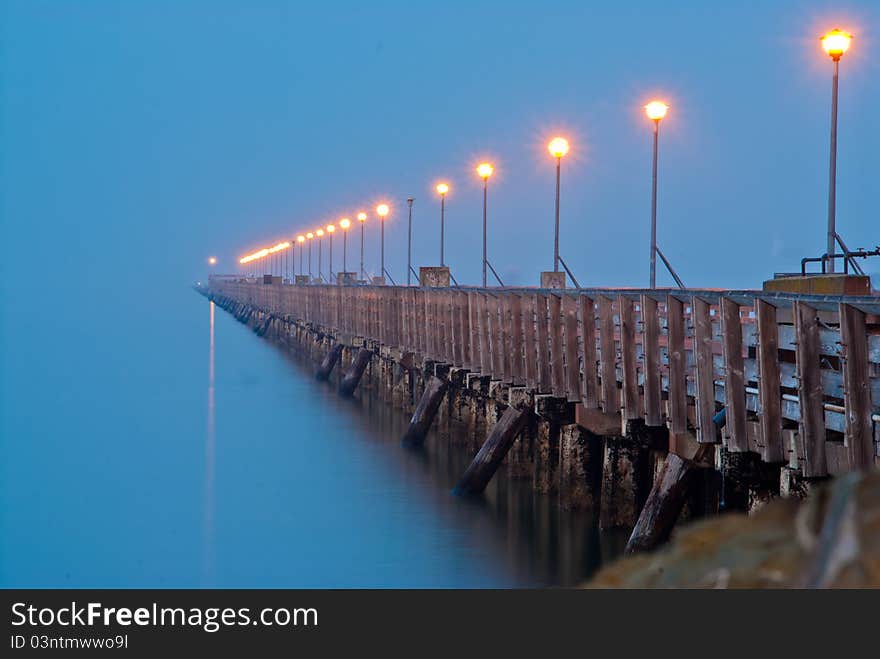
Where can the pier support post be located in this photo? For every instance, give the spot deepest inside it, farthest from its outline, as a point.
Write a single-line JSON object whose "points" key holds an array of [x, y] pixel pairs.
{"points": [[490, 455], [626, 481], [353, 376], [580, 468], [427, 408], [666, 500], [329, 362]]}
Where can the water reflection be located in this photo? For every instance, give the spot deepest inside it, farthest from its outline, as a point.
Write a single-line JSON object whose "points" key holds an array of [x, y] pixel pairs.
{"points": [[210, 449], [524, 534]]}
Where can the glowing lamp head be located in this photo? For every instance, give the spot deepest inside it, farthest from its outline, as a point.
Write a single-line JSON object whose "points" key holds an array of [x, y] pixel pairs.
{"points": [[558, 147], [656, 110], [382, 210], [331, 228], [484, 170], [362, 217], [345, 223], [212, 260], [319, 233], [310, 235], [300, 239], [836, 43], [442, 188]]}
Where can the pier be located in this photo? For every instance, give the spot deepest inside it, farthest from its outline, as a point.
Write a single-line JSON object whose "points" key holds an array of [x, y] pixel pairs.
{"points": [[646, 406]]}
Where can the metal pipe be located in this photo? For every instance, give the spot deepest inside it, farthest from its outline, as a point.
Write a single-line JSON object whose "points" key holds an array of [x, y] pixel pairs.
{"points": [[485, 257], [832, 166], [409, 203], [556, 234], [654, 208], [442, 226]]}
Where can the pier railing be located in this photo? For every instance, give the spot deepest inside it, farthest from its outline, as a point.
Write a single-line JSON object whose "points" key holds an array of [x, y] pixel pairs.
{"points": [[796, 376]]}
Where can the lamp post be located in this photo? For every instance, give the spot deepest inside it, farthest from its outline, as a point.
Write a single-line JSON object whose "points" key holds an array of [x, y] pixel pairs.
{"points": [[362, 218], [484, 170], [344, 224], [835, 43], [331, 229], [320, 234], [558, 147], [382, 211], [300, 239], [655, 110], [442, 190], [309, 236], [409, 203]]}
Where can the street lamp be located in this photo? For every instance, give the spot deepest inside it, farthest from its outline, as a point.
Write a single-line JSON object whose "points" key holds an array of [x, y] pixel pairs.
{"points": [[331, 229], [300, 239], [835, 43], [558, 148], [382, 211], [309, 236], [409, 203], [484, 170], [320, 234], [442, 190], [212, 260], [655, 110], [344, 224], [362, 218]]}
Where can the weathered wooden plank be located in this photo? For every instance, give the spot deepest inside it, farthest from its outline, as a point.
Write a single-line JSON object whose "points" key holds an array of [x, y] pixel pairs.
{"points": [[858, 437], [607, 357], [554, 329], [485, 361], [651, 362], [542, 344], [572, 361], [704, 371], [677, 366], [734, 380], [474, 326], [812, 422], [590, 379], [769, 394], [516, 340], [501, 337], [492, 334], [628, 358], [530, 364], [466, 335], [457, 329]]}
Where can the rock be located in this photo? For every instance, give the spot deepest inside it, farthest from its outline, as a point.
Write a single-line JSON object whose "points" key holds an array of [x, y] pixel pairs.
{"points": [[831, 539]]}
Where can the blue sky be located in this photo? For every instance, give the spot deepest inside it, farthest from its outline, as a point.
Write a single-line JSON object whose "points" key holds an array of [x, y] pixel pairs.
{"points": [[138, 138]]}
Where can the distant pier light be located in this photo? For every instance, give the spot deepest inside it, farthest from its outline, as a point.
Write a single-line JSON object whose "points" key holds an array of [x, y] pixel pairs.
{"points": [[484, 171], [558, 148], [362, 218], [345, 225], [835, 43], [442, 190], [382, 210], [656, 111], [212, 260], [331, 229]]}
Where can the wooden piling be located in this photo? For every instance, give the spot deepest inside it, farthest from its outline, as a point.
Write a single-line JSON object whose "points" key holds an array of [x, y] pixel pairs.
{"points": [[353, 376], [665, 501], [425, 412], [486, 463], [329, 362]]}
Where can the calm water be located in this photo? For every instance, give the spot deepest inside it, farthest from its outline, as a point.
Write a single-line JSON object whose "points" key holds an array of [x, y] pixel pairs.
{"points": [[173, 447]]}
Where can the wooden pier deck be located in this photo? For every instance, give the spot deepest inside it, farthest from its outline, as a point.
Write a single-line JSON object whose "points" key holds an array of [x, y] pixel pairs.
{"points": [[798, 376]]}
